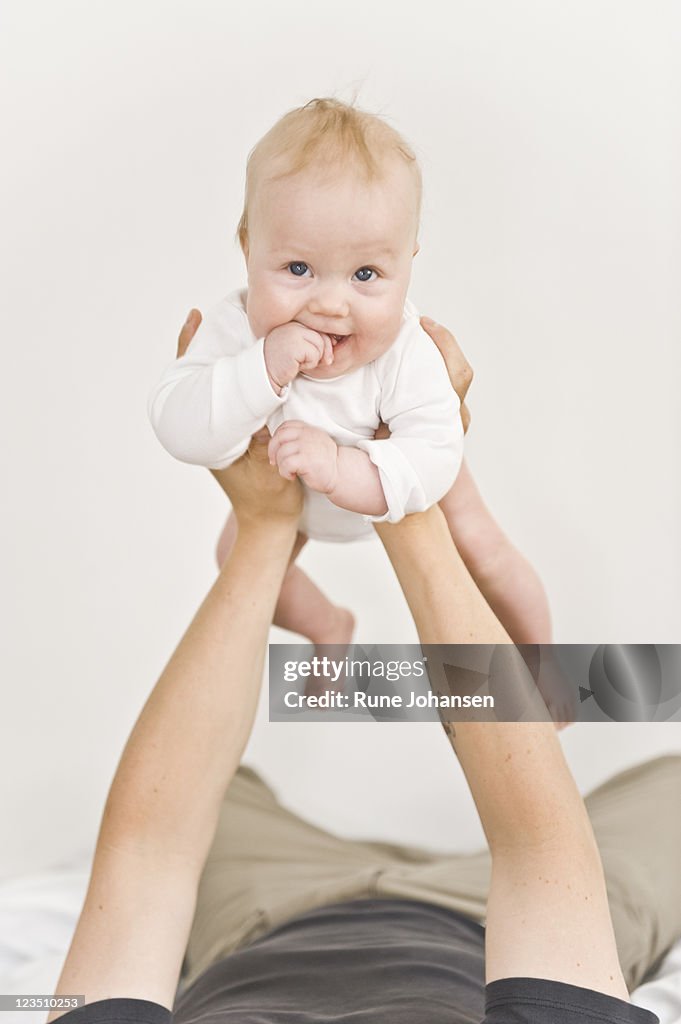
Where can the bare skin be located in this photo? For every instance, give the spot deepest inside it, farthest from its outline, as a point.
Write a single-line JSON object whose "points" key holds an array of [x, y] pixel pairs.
{"points": [[163, 805], [546, 867], [508, 582]]}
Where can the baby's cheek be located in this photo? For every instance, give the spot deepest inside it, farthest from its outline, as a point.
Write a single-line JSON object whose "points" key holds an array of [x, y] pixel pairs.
{"points": [[261, 320], [261, 306], [387, 335], [254, 314], [270, 313], [388, 325]]}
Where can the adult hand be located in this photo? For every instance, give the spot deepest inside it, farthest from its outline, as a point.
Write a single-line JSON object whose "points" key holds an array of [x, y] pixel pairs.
{"points": [[254, 487], [164, 803], [189, 329], [459, 369]]}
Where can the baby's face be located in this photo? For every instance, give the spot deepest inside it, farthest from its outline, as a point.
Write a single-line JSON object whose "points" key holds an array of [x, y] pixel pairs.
{"points": [[336, 256]]}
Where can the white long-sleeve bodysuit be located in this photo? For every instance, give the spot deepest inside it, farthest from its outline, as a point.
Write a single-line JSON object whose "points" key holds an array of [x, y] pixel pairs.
{"points": [[209, 403]]}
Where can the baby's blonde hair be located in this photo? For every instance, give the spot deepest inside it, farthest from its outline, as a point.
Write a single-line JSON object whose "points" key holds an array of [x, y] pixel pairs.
{"points": [[325, 133]]}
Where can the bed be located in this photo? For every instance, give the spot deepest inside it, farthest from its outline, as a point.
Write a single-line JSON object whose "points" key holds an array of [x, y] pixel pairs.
{"points": [[38, 913]]}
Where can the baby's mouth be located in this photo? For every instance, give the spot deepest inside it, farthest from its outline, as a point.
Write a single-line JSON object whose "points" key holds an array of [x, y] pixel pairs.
{"points": [[338, 338]]}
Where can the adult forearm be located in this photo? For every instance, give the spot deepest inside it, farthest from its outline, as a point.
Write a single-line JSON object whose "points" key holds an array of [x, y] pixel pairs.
{"points": [[190, 735], [442, 596], [507, 764], [547, 889]]}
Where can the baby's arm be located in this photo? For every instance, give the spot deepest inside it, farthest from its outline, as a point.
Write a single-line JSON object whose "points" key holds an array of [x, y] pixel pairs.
{"points": [[209, 403], [344, 473], [389, 478], [419, 462]]}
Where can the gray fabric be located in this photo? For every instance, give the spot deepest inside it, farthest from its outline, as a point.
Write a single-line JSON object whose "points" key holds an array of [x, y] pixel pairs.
{"points": [[382, 962], [368, 962], [267, 866]]}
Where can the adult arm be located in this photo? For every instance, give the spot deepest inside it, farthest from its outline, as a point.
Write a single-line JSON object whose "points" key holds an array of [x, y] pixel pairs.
{"points": [[547, 914], [162, 808]]}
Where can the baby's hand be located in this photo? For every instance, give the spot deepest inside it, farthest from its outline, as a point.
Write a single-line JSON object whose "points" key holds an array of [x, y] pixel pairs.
{"points": [[291, 348], [307, 452]]}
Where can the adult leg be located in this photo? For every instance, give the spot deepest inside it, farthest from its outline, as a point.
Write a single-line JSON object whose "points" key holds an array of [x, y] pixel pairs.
{"points": [[636, 818], [302, 608], [267, 865]]}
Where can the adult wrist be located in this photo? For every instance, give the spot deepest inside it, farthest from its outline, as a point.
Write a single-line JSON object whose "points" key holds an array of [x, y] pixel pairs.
{"points": [[266, 531]]}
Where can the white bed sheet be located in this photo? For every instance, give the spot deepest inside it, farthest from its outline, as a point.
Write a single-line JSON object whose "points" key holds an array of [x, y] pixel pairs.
{"points": [[38, 913]]}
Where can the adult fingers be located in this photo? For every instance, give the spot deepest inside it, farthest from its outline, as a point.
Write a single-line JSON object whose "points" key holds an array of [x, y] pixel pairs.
{"points": [[465, 416], [189, 329], [258, 448], [459, 369]]}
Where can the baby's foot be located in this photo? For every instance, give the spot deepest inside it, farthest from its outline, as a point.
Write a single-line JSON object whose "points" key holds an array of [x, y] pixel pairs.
{"points": [[559, 695], [332, 641]]}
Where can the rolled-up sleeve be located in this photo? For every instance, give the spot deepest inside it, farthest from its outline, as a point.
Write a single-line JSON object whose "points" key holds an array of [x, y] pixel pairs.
{"points": [[540, 1001], [210, 402], [420, 460]]}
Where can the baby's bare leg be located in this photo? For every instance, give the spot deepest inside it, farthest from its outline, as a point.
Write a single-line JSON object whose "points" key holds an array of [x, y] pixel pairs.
{"points": [[508, 582], [302, 608]]}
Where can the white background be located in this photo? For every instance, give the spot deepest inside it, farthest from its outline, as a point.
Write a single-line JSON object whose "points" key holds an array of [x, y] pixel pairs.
{"points": [[548, 137]]}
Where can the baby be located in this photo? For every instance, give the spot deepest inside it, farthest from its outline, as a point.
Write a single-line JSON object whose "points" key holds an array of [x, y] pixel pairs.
{"points": [[324, 346]]}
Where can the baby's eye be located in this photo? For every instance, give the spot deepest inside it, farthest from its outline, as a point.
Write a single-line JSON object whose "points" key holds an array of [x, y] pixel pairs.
{"points": [[364, 270], [298, 268]]}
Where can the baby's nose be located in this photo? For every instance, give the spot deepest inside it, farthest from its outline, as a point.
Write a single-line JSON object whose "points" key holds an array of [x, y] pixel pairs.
{"points": [[329, 300]]}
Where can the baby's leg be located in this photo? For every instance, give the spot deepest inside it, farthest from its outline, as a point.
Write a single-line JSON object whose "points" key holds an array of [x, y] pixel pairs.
{"points": [[508, 582], [301, 608]]}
